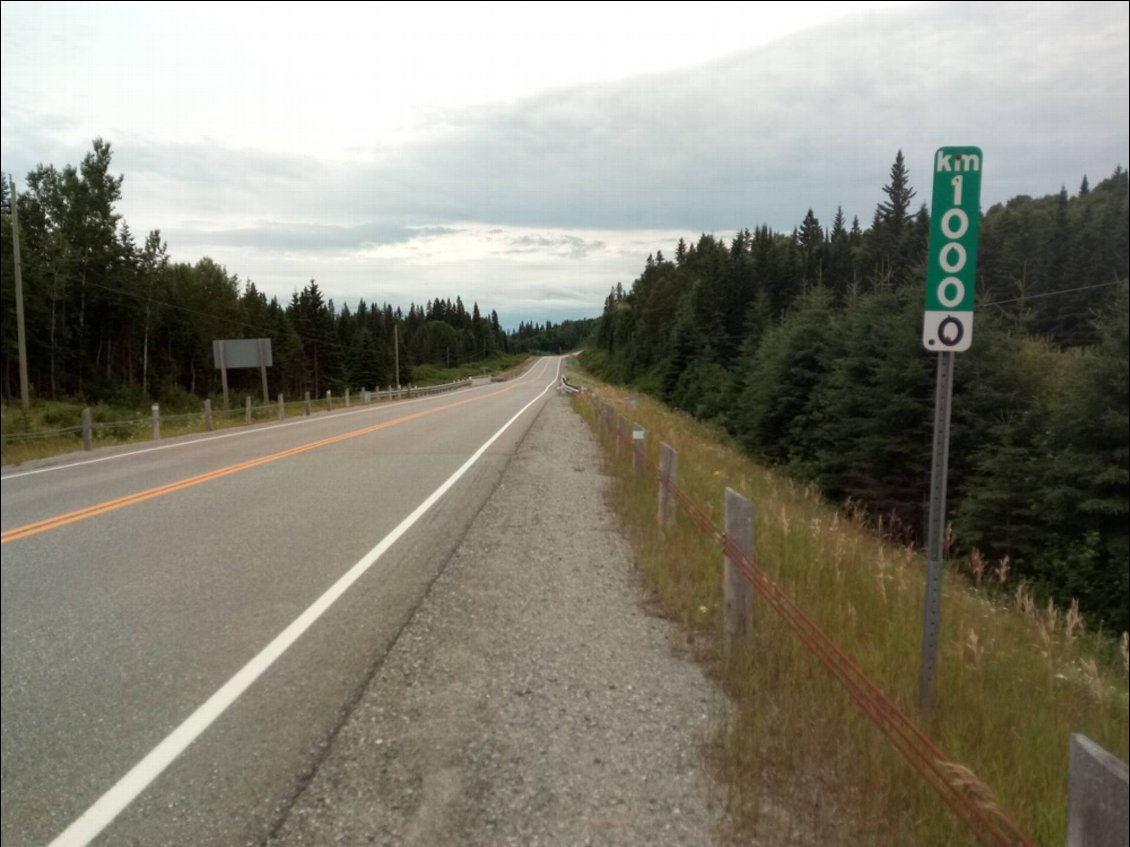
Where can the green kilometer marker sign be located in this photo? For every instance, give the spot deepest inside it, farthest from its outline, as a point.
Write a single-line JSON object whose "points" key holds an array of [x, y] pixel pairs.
{"points": [[955, 222]]}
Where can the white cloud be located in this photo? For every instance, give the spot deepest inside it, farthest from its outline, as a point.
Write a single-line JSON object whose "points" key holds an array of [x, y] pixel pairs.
{"points": [[424, 158]]}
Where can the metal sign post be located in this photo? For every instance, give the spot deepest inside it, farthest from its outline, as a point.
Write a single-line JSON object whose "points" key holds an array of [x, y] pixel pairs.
{"points": [[947, 328], [242, 353]]}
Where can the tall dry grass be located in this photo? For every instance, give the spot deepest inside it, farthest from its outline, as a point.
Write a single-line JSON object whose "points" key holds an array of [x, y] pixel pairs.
{"points": [[800, 762]]}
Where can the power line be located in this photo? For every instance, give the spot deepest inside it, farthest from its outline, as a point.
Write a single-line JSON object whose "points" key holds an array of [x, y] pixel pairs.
{"points": [[1028, 297]]}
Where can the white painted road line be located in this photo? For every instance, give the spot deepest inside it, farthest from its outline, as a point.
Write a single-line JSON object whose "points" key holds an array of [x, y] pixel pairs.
{"points": [[107, 807]]}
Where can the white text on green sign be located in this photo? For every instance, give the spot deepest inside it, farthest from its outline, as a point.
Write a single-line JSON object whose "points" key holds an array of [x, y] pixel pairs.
{"points": [[955, 221]]}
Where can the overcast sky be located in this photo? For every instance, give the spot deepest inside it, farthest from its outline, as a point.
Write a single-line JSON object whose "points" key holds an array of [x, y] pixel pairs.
{"points": [[529, 156]]}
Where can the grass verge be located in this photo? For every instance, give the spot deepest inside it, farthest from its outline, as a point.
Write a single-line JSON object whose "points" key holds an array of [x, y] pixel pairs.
{"points": [[800, 762]]}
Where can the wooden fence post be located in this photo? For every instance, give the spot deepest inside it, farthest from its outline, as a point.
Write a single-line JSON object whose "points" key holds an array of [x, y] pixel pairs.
{"points": [[247, 410], [668, 476], [639, 450], [282, 408], [347, 398], [87, 430], [737, 590], [208, 414], [307, 403], [1098, 805]]}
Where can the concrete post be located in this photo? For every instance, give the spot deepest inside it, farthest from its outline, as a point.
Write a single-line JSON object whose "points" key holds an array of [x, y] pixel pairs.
{"points": [[329, 400], [639, 450], [1098, 804], [282, 408], [156, 410], [247, 410], [307, 403], [87, 430], [668, 475], [208, 415], [737, 591]]}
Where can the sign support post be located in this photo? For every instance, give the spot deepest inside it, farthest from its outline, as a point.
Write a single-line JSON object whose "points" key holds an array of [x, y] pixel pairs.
{"points": [[242, 353], [935, 533], [261, 343], [223, 375], [947, 328]]}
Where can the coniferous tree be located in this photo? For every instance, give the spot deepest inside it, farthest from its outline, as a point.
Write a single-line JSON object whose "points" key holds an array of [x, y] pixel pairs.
{"points": [[891, 224]]}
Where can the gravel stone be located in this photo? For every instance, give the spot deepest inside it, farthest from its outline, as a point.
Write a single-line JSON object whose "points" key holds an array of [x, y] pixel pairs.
{"points": [[531, 700]]}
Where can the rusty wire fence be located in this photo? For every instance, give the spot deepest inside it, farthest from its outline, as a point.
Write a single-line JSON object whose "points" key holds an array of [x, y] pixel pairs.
{"points": [[966, 797]]}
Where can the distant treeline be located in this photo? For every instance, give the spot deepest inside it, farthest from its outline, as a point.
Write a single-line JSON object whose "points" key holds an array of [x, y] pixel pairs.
{"points": [[109, 319], [550, 337], [807, 348]]}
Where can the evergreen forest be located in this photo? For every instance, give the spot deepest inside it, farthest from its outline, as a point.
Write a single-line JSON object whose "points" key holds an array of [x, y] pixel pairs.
{"points": [[111, 319], [806, 348]]}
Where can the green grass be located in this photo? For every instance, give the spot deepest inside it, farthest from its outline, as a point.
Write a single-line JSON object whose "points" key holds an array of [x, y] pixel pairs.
{"points": [[800, 762]]}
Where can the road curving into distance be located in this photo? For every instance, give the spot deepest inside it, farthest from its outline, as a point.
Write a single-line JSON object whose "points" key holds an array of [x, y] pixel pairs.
{"points": [[185, 628]]}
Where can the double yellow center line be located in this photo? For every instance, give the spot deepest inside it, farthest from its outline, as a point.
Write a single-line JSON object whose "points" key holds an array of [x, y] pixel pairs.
{"points": [[16, 533]]}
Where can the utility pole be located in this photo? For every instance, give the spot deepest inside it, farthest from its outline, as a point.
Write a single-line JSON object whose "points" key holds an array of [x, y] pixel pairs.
{"points": [[396, 351], [21, 336]]}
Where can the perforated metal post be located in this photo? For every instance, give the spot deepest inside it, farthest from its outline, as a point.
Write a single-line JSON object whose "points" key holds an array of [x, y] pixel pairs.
{"points": [[935, 535]]}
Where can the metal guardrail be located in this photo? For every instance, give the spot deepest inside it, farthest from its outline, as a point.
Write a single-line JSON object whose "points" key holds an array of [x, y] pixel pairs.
{"points": [[568, 387]]}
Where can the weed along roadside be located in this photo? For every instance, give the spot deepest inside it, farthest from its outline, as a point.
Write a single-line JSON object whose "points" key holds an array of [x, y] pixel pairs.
{"points": [[825, 743]]}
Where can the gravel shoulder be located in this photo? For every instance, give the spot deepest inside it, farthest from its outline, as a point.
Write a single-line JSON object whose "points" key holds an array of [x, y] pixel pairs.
{"points": [[531, 699]]}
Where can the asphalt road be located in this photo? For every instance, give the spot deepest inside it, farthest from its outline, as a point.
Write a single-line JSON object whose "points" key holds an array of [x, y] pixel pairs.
{"points": [[185, 628]]}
